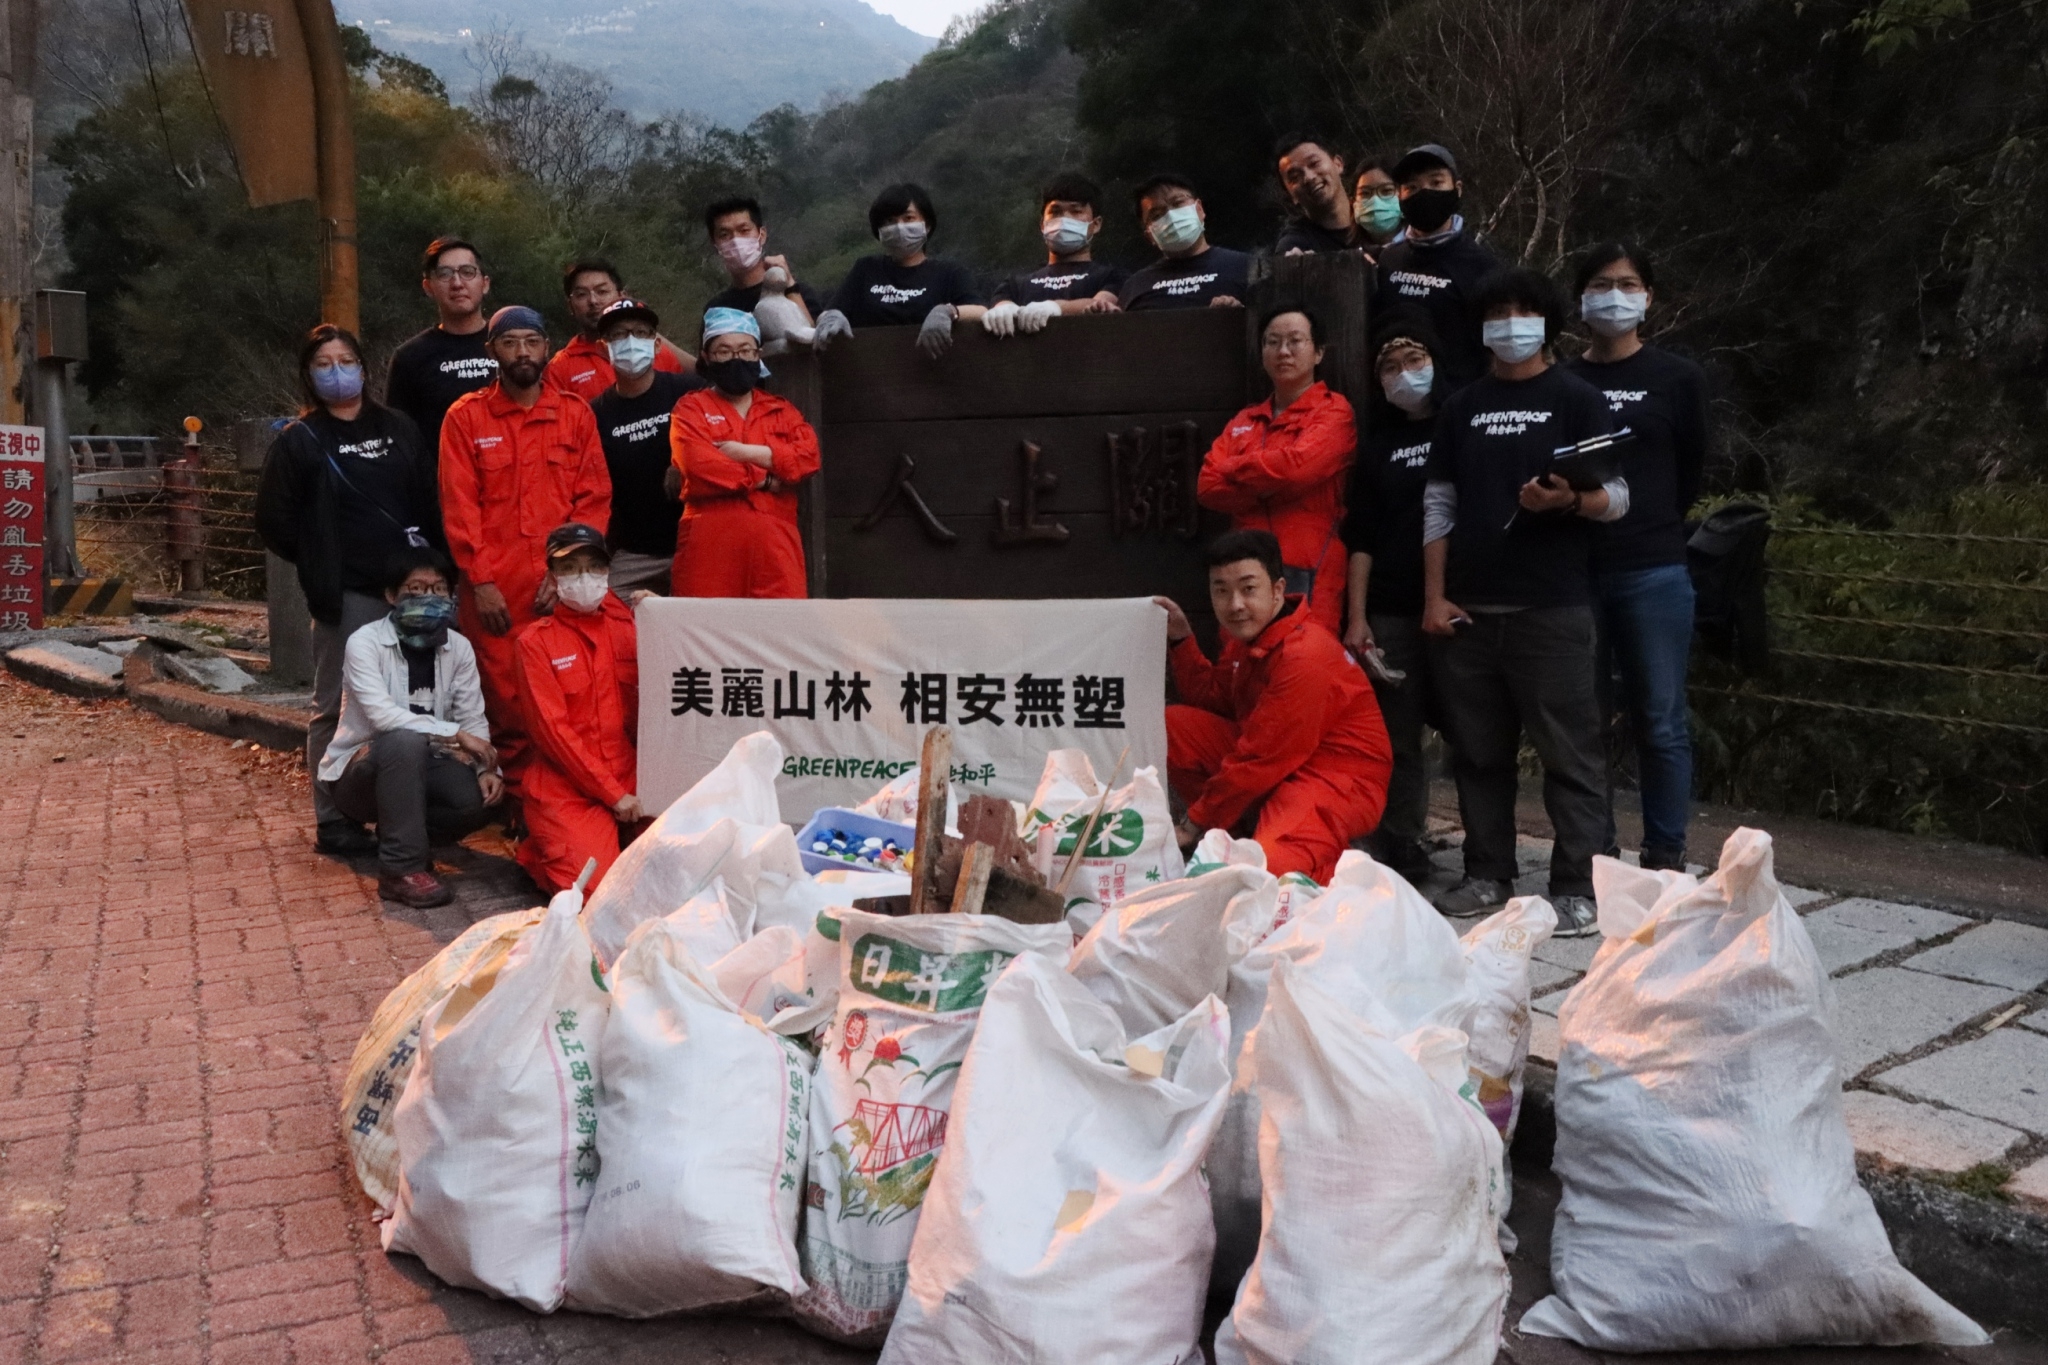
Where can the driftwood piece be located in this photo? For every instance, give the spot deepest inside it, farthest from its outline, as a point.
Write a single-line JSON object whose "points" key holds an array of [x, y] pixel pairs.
{"points": [[971, 886], [1015, 889], [935, 772]]}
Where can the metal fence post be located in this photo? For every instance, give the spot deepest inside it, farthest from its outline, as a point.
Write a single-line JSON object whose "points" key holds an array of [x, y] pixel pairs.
{"points": [[185, 538]]}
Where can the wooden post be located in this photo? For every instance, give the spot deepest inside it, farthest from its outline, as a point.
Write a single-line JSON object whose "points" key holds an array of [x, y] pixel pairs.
{"points": [[335, 137], [1335, 285], [184, 538], [17, 206], [935, 772]]}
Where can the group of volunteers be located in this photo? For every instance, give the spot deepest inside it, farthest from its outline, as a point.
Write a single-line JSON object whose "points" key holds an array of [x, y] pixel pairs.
{"points": [[1427, 569]]}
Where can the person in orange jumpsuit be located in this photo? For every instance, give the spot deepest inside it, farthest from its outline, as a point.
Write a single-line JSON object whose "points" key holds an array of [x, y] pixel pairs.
{"points": [[1281, 465], [584, 366], [517, 460], [579, 681], [1282, 733], [741, 453]]}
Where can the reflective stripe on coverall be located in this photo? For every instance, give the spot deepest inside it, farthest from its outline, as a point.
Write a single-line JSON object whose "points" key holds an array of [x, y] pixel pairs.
{"points": [[1286, 474], [737, 539], [1287, 725], [579, 682], [510, 475], [584, 368]]}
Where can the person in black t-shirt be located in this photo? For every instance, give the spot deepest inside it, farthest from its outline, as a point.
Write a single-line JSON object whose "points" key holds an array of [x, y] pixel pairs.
{"points": [[1642, 590], [1313, 177], [1189, 273], [1382, 529], [433, 369], [1507, 592], [1072, 280], [739, 235], [344, 486], [632, 424], [902, 284], [1435, 262]]}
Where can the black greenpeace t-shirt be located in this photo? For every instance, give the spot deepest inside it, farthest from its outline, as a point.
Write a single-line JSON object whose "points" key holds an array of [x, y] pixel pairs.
{"points": [[1383, 511], [1302, 235], [1187, 282], [1663, 398], [744, 297], [1494, 436], [878, 292], [1441, 279], [1062, 280], [380, 476], [429, 372], [634, 432]]}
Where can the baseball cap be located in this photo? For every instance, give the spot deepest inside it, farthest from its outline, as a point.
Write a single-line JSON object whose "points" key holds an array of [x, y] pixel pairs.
{"points": [[572, 536], [627, 310], [1417, 159]]}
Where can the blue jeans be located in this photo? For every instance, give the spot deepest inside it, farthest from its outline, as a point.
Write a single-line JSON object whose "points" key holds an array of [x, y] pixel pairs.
{"points": [[1645, 634]]}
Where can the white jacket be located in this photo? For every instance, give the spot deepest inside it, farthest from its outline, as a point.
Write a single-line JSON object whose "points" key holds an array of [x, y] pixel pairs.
{"points": [[375, 687]]}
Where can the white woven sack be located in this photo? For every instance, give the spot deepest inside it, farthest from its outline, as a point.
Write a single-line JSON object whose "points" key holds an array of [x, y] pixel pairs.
{"points": [[1068, 1221], [1159, 952], [1132, 847], [497, 1130], [1380, 1177], [1710, 1192]]}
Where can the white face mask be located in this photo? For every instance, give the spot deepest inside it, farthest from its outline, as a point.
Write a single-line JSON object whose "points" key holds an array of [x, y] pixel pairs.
{"points": [[1065, 236], [632, 356], [1614, 312], [1409, 390], [1177, 229], [903, 240], [1513, 340], [583, 591], [740, 254]]}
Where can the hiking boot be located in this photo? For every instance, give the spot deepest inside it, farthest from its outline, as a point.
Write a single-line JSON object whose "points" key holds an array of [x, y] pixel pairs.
{"points": [[416, 890], [1663, 860], [344, 839], [1474, 895], [1577, 916]]}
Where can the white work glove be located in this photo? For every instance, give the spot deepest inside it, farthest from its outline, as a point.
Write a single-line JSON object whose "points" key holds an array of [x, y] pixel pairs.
{"points": [[1033, 316], [1001, 320], [935, 338], [831, 323]]}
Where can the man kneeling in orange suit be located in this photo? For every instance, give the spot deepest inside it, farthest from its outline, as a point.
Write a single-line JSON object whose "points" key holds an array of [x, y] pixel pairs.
{"points": [[1281, 735]]}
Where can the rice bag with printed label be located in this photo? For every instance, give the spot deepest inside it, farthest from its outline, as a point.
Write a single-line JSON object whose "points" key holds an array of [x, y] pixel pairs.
{"points": [[1133, 844]]}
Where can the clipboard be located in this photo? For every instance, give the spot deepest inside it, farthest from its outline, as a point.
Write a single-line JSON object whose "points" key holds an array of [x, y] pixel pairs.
{"points": [[1592, 462]]}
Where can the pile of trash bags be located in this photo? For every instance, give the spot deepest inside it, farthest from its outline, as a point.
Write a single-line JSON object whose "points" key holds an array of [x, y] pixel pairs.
{"points": [[718, 1084]]}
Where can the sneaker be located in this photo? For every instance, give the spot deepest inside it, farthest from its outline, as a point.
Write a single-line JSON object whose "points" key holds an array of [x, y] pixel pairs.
{"points": [[344, 839], [1473, 895], [1663, 860], [1577, 916], [417, 890]]}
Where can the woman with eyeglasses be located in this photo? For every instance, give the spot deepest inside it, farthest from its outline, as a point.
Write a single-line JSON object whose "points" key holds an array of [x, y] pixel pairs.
{"points": [[741, 452], [1280, 464]]}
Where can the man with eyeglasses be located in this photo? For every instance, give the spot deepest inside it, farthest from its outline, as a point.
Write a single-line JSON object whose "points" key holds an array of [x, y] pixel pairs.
{"points": [[430, 371], [584, 366], [742, 453]]}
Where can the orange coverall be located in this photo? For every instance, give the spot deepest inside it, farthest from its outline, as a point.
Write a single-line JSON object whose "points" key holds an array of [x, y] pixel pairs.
{"points": [[738, 539], [584, 368], [1286, 474], [510, 475], [579, 680], [1287, 725]]}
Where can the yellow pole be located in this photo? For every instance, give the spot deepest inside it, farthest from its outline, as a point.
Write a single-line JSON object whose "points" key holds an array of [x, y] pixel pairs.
{"points": [[335, 137]]}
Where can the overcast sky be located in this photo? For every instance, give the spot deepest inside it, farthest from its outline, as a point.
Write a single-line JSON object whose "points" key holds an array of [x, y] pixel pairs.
{"points": [[928, 17]]}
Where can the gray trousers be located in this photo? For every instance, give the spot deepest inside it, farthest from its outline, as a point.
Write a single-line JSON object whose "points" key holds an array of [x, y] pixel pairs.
{"points": [[1504, 675], [1406, 708], [357, 611], [630, 571], [411, 790]]}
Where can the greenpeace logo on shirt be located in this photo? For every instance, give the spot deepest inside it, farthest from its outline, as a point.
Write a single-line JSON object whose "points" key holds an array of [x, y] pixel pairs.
{"points": [[641, 430], [1050, 282], [1509, 421], [1617, 397], [566, 661], [1417, 285], [470, 367], [486, 442], [1186, 284], [583, 376], [1411, 457], [365, 450], [889, 293], [1239, 431]]}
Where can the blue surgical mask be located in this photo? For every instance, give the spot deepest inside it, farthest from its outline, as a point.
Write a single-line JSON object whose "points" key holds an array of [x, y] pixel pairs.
{"points": [[423, 620], [1614, 312], [1513, 340], [1065, 236], [1409, 390], [1378, 214], [338, 383], [1177, 229], [632, 356]]}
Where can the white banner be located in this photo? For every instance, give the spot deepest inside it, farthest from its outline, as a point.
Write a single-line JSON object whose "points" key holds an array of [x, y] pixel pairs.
{"points": [[850, 687]]}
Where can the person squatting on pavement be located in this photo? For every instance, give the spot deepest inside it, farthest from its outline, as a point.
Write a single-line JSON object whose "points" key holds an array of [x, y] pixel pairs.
{"points": [[579, 686], [742, 452], [517, 460], [1282, 732], [344, 486], [1281, 465], [584, 366], [413, 753]]}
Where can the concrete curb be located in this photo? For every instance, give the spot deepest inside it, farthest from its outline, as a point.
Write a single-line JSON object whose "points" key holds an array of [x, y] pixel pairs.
{"points": [[273, 727], [1988, 1258], [47, 669]]}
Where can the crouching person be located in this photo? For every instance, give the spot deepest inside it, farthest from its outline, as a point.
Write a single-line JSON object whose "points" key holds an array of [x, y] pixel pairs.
{"points": [[579, 680], [1281, 737], [412, 754]]}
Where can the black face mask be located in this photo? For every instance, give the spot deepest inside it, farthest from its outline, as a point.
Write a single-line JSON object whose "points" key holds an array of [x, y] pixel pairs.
{"points": [[731, 376], [1428, 210]]}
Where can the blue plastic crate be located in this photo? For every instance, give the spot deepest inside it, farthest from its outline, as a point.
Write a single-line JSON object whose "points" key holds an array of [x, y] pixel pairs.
{"points": [[854, 824]]}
